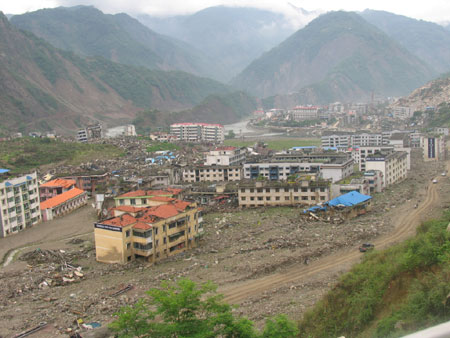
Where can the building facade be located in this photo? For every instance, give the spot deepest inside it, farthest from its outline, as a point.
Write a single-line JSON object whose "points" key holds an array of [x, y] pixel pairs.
{"points": [[228, 156], [353, 140], [152, 234], [147, 198], [89, 182], [266, 193], [55, 187], [393, 166], [19, 203], [211, 174], [198, 132], [63, 203], [434, 147], [301, 113]]}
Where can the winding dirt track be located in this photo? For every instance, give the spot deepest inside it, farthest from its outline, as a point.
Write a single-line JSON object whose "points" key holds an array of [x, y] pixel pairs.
{"points": [[405, 227]]}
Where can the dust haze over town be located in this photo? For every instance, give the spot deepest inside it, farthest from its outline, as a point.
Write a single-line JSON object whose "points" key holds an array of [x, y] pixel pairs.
{"points": [[292, 154]]}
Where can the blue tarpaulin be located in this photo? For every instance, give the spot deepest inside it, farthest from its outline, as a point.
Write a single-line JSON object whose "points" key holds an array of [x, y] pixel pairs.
{"points": [[349, 199], [3, 171]]}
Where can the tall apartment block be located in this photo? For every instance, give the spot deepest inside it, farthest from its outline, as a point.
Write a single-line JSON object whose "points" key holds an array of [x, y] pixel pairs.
{"points": [[198, 132], [19, 203]]}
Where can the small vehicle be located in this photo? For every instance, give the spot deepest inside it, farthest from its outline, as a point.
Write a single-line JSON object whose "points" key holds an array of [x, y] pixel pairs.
{"points": [[434, 181], [443, 174], [366, 247]]}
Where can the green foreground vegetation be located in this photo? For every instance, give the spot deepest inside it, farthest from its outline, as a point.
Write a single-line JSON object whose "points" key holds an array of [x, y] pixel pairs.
{"points": [[391, 293], [276, 144], [24, 154], [161, 146], [186, 309]]}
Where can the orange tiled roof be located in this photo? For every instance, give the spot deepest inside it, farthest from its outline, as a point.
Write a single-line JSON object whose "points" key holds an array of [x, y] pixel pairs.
{"points": [[59, 182], [61, 198], [142, 226], [181, 205], [128, 208], [162, 199], [163, 211], [174, 191], [121, 221], [143, 193]]}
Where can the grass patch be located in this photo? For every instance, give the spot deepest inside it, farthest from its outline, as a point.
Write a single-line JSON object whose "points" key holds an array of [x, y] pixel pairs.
{"points": [[277, 144], [24, 154], [161, 146], [356, 306]]}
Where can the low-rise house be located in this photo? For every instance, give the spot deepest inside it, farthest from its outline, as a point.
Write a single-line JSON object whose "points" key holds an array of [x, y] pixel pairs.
{"points": [[152, 233], [55, 187], [267, 193], [213, 173], [393, 166], [19, 202], [62, 204], [146, 198]]}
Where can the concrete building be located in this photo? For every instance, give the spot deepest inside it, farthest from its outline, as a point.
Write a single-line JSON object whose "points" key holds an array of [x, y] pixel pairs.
{"points": [[90, 132], [89, 182], [266, 193], [352, 140], [375, 180], [360, 185], [228, 156], [55, 187], [280, 171], [301, 113], [393, 166], [147, 198], [126, 130], [434, 147], [198, 132], [442, 130], [211, 174], [151, 234], [359, 154], [402, 113], [19, 202], [63, 203]]}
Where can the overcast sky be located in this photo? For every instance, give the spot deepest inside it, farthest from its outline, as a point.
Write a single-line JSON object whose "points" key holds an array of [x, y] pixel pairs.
{"points": [[431, 10]]}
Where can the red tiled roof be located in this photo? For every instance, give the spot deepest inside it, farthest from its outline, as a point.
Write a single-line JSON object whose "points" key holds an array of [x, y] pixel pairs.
{"points": [[142, 226], [163, 211], [162, 199], [128, 208], [61, 198], [121, 221], [142, 193], [174, 191], [59, 182], [181, 205]]}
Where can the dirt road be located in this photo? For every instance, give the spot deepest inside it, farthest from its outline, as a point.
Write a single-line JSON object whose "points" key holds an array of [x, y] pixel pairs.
{"points": [[404, 228]]}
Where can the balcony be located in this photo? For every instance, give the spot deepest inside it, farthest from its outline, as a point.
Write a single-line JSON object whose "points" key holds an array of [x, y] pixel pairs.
{"points": [[10, 194]]}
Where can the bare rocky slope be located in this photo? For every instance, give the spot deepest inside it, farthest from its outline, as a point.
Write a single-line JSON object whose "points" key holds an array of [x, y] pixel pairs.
{"points": [[44, 88]]}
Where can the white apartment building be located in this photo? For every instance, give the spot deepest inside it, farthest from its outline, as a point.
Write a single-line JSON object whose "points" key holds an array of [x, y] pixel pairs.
{"points": [[353, 140], [198, 132], [275, 171], [211, 174], [301, 113], [393, 166], [434, 147], [263, 193], [19, 203], [226, 156], [402, 113]]}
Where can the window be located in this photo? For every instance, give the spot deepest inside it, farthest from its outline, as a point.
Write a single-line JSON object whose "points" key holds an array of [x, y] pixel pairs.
{"points": [[313, 198], [295, 198], [267, 198], [286, 198], [156, 231], [286, 189], [267, 189], [121, 202], [252, 198], [260, 198], [129, 258], [132, 201], [128, 245], [277, 190], [304, 198], [127, 233], [277, 198], [165, 240], [164, 228], [252, 190], [242, 198]]}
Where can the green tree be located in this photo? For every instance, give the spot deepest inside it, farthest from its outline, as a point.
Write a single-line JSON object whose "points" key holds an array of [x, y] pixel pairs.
{"points": [[185, 309], [230, 135]]}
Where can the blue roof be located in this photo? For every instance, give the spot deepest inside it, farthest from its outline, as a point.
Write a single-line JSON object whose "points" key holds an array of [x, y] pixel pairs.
{"points": [[306, 147], [349, 199], [3, 171]]}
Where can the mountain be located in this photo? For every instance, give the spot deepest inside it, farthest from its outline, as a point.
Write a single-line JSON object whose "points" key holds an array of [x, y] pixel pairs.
{"points": [[432, 94], [426, 40], [119, 38], [338, 56], [43, 88], [234, 36]]}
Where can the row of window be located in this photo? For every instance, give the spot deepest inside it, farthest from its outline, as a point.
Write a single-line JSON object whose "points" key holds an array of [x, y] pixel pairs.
{"points": [[278, 198], [303, 189]]}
